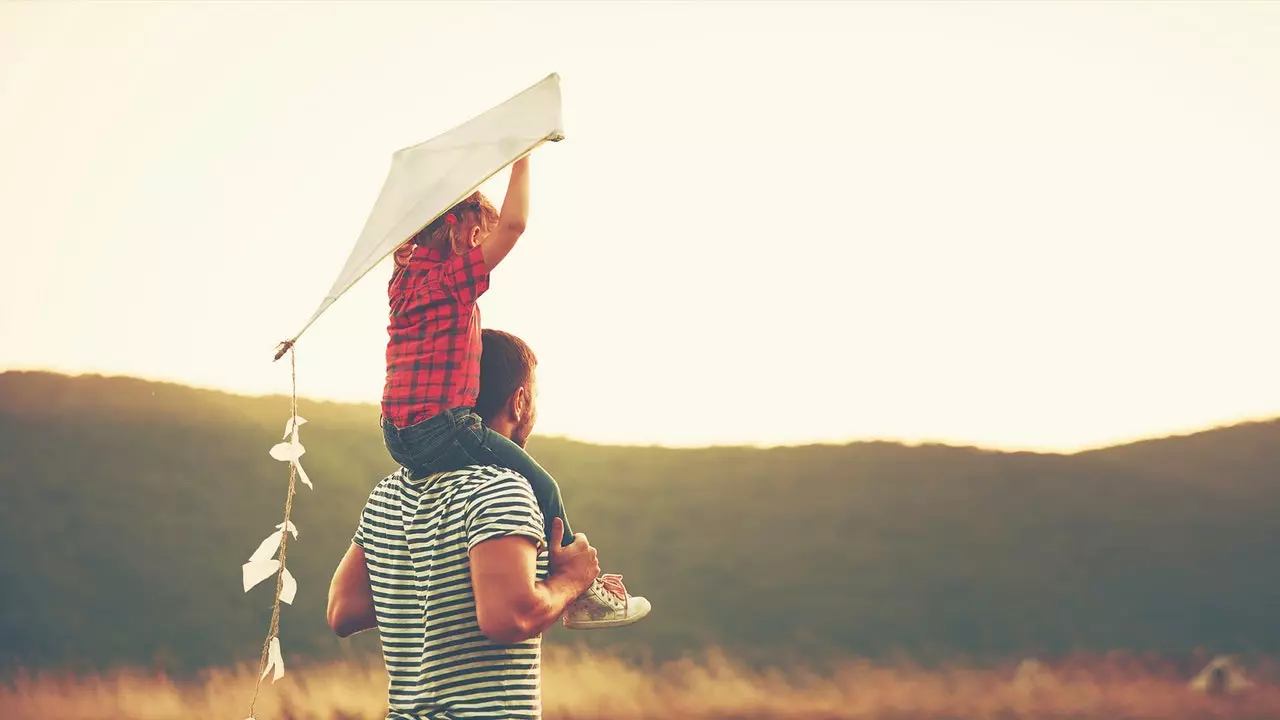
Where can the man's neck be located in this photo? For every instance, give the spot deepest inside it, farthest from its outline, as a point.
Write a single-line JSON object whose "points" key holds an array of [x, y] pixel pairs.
{"points": [[502, 426]]}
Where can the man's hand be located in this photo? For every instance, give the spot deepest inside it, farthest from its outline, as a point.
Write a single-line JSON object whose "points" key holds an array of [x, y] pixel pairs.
{"points": [[577, 562]]}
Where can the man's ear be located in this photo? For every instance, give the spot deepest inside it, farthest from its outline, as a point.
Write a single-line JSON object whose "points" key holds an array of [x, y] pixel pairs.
{"points": [[520, 404]]}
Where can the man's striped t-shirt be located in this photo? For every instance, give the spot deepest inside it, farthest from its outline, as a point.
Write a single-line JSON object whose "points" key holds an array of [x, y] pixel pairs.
{"points": [[416, 537]]}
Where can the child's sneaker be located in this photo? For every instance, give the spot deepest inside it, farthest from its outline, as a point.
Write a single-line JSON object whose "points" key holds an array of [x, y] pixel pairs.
{"points": [[605, 604]]}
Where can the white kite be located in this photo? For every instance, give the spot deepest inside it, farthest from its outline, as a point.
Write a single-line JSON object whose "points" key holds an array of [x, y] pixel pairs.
{"points": [[427, 179]]}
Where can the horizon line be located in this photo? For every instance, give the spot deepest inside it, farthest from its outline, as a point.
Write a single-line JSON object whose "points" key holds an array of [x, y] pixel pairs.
{"points": [[917, 442]]}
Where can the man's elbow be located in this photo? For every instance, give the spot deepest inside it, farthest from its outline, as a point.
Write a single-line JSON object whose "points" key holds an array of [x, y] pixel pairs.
{"points": [[507, 632], [345, 632], [508, 627], [342, 623], [334, 618], [341, 630]]}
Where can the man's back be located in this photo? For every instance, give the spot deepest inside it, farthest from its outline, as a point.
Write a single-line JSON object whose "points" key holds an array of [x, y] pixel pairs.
{"points": [[416, 538]]}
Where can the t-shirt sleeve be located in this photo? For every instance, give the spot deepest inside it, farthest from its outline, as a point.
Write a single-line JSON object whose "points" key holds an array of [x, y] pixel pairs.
{"points": [[376, 497], [468, 275], [501, 507], [358, 537]]}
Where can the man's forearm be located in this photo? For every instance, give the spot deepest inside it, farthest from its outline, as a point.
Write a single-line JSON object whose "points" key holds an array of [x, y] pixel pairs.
{"points": [[552, 596]]}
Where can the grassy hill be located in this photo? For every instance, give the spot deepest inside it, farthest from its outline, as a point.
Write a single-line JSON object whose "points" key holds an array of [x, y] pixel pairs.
{"points": [[129, 507]]}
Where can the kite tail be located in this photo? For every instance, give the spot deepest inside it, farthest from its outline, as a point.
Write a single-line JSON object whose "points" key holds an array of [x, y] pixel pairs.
{"points": [[273, 634]]}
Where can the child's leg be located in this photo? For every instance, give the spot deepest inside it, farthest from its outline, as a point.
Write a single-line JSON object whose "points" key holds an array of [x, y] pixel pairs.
{"points": [[430, 446], [490, 448]]}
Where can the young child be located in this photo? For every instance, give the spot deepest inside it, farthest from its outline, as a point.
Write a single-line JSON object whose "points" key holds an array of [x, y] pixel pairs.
{"points": [[433, 369]]}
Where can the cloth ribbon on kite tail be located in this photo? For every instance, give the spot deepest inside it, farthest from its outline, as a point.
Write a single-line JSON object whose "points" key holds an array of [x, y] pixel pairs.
{"points": [[261, 565]]}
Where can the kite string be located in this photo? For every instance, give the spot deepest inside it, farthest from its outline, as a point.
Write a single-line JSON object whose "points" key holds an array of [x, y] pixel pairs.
{"points": [[273, 632]]}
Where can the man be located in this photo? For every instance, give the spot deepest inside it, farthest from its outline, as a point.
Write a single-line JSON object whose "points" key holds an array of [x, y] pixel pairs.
{"points": [[455, 573]]}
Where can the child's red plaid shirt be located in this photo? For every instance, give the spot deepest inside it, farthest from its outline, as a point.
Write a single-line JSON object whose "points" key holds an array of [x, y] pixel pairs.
{"points": [[433, 349]]}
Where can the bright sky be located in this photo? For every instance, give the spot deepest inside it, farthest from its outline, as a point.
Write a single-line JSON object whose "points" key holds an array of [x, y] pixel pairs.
{"points": [[1028, 225]]}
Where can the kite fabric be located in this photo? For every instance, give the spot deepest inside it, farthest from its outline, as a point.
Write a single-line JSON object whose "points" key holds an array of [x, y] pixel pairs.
{"points": [[427, 179]]}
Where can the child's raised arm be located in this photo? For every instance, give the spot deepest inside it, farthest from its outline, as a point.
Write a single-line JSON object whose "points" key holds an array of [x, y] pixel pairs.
{"points": [[512, 219]]}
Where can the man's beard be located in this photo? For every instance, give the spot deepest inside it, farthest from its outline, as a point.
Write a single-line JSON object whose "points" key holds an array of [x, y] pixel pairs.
{"points": [[520, 434]]}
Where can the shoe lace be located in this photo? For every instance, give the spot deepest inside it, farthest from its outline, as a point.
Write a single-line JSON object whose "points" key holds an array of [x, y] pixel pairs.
{"points": [[613, 584]]}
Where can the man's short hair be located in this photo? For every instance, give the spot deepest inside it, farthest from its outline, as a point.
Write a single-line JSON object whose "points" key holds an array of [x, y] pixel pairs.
{"points": [[506, 364]]}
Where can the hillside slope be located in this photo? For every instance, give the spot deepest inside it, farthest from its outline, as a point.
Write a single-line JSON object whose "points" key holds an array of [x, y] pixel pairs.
{"points": [[129, 507]]}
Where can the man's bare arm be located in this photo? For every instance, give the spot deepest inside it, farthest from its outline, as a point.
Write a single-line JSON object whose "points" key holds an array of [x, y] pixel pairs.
{"points": [[511, 603], [351, 596]]}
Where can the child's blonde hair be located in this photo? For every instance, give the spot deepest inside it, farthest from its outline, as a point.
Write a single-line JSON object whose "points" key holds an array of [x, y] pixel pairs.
{"points": [[474, 211]]}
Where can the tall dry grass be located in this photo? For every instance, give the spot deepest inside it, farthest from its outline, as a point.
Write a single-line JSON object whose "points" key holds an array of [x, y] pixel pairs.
{"points": [[579, 685]]}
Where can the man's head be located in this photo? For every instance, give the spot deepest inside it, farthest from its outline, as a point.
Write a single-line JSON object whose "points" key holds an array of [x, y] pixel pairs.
{"points": [[508, 386]]}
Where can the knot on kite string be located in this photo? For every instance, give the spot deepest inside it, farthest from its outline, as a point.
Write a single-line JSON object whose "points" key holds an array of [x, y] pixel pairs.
{"points": [[281, 349]]}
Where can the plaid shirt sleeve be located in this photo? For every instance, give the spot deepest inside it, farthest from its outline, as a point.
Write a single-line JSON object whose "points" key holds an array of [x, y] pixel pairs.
{"points": [[468, 275]]}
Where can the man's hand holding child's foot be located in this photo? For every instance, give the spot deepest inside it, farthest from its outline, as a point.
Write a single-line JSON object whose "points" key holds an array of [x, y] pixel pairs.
{"points": [[605, 602]]}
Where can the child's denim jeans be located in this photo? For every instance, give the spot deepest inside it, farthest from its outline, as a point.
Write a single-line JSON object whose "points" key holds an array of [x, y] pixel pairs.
{"points": [[456, 438]]}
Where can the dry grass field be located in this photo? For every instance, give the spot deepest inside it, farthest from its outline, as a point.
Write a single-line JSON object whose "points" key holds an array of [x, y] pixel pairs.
{"points": [[583, 686]]}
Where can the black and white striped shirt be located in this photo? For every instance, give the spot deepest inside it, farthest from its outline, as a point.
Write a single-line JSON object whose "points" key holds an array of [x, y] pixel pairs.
{"points": [[416, 537]]}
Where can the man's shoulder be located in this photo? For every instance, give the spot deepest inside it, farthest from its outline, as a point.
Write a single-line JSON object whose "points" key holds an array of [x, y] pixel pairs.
{"points": [[470, 477], [494, 501], [471, 490], [387, 485], [475, 480]]}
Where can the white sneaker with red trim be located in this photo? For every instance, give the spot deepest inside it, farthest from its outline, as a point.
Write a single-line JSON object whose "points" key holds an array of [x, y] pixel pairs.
{"points": [[605, 604]]}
